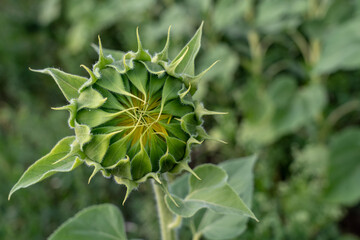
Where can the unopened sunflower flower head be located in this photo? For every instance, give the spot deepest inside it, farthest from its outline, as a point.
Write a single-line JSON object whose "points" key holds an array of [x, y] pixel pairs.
{"points": [[134, 117]]}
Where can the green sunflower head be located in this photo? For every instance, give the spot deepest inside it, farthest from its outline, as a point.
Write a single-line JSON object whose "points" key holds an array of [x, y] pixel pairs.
{"points": [[134, 117]]}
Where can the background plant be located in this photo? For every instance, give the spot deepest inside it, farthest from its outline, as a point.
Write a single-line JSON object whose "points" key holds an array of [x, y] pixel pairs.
{"points": [[309, 48]]}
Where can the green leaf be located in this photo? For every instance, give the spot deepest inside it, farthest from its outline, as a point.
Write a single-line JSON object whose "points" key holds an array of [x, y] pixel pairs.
{"points": [[240, 178], [103, 61], [279, 110], [187, 65], [103, 222], [83, 134], [227, 13], [95, 117], [340, 52], [90, 98], [177, 109], [111, 100], [153, 68], [277, 15], [62, 158], [176, 147], [214, 177], [175, 130], [344, 167], [157, 147], [167, 162], [139, 77], [141, 54], [122, 169], [170, 91], [116, 152], [155, 84], [69, 84], [189, 123], [97, 147], [111, 80], [212, 192], [140, 165]]}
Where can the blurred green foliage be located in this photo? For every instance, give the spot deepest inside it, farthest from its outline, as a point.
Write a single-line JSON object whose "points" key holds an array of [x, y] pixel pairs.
{"points": [[288, 75]]}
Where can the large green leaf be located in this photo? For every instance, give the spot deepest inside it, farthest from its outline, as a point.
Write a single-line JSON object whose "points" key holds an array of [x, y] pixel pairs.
{"points": [[276, 15], [226, 226], [216, 225], [344, 167], [340, 52], [227, 13], [212, 192], [103, 222], [62, 158], [280, 110]]}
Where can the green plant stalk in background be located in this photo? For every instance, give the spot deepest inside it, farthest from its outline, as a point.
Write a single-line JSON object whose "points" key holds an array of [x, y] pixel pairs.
{"points": [[164, 214]]}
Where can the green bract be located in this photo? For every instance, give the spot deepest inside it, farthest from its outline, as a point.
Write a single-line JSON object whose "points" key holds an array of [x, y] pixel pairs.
{"points": [[133, 118]]}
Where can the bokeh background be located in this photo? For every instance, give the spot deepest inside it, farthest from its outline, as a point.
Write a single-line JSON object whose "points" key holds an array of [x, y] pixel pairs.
{"points": [[289, 76]]}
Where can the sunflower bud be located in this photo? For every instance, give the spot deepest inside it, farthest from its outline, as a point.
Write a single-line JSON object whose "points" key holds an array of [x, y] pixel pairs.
{"points": [[134, 117]]}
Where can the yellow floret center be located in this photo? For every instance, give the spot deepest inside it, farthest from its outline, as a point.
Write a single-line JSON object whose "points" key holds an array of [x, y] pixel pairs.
{"points": [[143, 120]]}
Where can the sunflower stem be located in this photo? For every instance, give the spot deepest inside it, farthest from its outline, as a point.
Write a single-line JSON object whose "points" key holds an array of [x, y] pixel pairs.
{"points": [[165, 216]]}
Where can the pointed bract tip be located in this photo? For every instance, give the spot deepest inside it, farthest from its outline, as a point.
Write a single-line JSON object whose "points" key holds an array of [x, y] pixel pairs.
{"points": [[187, 168], [163, 55], [195, 175], [200, 75], [222, 141], [174, 64], [9, 195], [37, 70], [138, 39], [92, 75], [126, 195], [100, 46], [96, 170], [200, 28], [168, 37], [91, 176], [169, 29]]}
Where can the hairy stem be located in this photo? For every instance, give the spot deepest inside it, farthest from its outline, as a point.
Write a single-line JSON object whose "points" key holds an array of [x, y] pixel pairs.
{"points": [[165, 216]]}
